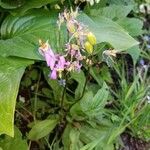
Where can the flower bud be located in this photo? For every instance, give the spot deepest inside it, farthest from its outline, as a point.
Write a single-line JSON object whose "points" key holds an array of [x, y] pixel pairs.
{"points": [[91, 38], [88, 47]]}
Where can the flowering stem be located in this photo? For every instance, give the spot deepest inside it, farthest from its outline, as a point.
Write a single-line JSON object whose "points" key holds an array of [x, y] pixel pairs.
{"points": [[35, 99], [63, 94], [88, 72]]}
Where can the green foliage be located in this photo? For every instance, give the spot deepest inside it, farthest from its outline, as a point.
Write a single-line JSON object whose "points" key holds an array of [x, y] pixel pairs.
{"points": [[30, 4], [21, 34], [11, 71], [80, 78], [42, 128], [132, 25], [16, 143], [113, 12], [108, 31], [93, 107]]}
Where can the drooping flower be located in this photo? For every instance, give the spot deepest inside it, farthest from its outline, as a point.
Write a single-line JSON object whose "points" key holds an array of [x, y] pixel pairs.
{"points": [[47, 52]]}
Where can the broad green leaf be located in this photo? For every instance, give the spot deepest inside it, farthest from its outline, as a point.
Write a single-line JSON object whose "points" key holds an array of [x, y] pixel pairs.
{"points": [[112, 11], [42, 128], [16, 143], [89, 134], [132, 25], [74, 139], [135, 53], [9, 4], [95, 137], [80, 78], [21, 34], [65, 136], [106, 30], [11, 71], [94, 106], [122, 2], [29, 4]]}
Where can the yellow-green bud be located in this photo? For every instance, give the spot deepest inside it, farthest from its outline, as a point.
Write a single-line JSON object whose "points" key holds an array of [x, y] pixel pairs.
{"points": [[91, 38], [88, 47]]}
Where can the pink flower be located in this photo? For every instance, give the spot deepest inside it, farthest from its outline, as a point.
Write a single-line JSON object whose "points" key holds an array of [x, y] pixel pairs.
{"points": [[50, 59], [61, 63], [48, 54], [53, 74]]}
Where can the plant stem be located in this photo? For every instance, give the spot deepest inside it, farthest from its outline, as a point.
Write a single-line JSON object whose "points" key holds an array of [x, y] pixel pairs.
{"points": [[88, 72], [63, 94], [36, 95]]}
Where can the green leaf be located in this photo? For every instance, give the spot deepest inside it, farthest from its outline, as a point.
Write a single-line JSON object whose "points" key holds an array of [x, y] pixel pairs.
{"points": [[42, 128], [11, 71], [21, 34], [112, 11], [135, 53], [122, 2], [106, 30], [76, 112], [54, 85], [93, 106], [132, 25], [16, 143], [74, 139], [29, 4], [8, 4], [80, 78]]}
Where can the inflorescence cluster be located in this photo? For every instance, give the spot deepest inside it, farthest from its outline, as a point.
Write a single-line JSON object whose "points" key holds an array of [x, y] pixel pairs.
{"points": [[81, 42]]}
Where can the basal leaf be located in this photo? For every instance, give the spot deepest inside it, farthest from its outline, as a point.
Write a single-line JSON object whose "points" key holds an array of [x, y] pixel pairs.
{"points": [[16, 143], [94, 106], [106, 30], [11, 71], [42, 128]]}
